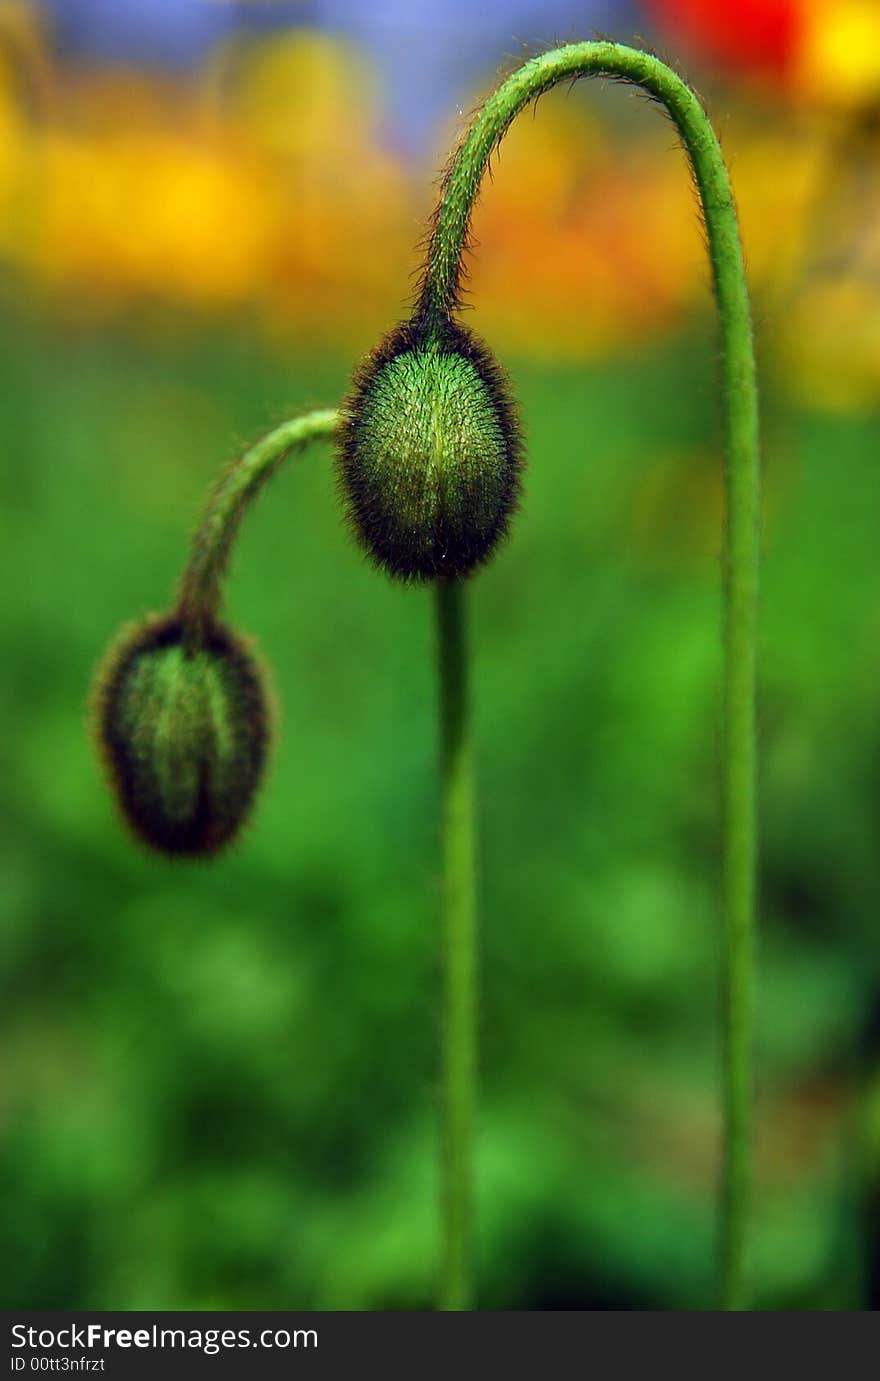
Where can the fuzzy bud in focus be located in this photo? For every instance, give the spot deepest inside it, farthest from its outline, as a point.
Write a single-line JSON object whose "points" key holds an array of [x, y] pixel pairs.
{"points": [[430, 453], [183, 733]]}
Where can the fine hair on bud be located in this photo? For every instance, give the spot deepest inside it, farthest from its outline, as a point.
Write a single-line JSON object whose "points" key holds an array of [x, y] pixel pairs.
{"points": [[183, 730], [430, 452]]}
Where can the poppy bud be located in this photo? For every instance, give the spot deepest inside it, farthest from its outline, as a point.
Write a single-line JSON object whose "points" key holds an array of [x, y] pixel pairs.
{"points": [[429, 453], [183, 732]]}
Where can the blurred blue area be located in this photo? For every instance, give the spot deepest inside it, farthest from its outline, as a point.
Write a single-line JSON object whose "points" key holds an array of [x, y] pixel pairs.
{"points": [[172, 33], [428, 55], [431, 55]]}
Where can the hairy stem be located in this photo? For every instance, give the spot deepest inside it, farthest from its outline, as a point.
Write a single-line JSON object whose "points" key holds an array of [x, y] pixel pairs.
{"points": [[201, 585], [459, 947], [740, 415]]}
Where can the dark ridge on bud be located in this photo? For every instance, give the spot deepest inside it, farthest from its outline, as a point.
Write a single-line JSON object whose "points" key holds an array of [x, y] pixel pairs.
{"points": [[183, 733], [430, 453]]}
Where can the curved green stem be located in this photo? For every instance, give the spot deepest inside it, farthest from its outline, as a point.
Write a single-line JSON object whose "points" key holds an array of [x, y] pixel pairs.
{"points": [[201, 584], [439, 298], [459, 947]]}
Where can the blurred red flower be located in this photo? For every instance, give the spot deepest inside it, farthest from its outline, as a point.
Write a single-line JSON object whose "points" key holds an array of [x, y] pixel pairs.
{"points": [[758, 36]]}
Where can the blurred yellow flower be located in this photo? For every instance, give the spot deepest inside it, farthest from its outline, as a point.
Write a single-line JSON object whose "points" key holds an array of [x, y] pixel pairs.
{"points": [[150, 214], [839, 59]]}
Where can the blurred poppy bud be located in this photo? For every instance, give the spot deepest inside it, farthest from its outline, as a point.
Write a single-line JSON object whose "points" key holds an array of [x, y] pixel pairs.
{"points": [[429, 453], [183, 732]]}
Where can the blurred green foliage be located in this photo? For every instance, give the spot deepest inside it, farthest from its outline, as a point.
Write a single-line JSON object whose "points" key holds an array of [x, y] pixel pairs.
{"points": [[218, 1081]]}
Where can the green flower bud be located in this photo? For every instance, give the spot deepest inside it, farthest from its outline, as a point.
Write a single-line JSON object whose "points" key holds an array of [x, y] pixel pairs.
{"points": [[429, 453], [183, 733]]}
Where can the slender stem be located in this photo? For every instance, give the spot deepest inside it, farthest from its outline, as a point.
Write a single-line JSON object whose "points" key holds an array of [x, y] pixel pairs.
{"points": [[201, 584], [459, 947], [440, 296]]}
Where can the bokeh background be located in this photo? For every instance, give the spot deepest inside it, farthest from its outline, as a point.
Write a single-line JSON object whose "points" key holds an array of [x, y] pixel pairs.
{"points": [[218, 1083]]}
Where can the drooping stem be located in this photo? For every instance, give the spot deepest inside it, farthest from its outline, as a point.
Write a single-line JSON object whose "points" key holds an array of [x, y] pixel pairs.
{"points": [[439, 298], [201, 584], [459, 948]]}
